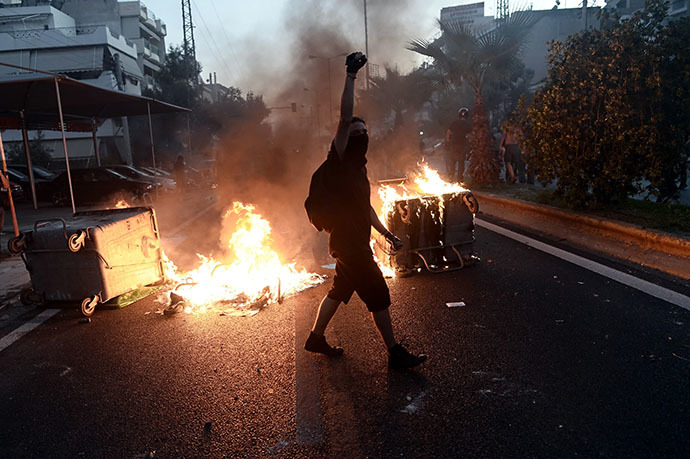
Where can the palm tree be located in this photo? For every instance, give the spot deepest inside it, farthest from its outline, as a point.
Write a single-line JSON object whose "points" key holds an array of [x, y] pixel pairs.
{"points": [[398, 93], [478, 58]]}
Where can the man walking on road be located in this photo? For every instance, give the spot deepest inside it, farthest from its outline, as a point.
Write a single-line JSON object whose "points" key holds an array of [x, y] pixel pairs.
{"points": [[356, 270]]}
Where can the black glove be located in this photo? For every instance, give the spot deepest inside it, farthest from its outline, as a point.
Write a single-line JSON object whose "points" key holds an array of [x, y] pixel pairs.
{"points": [[354, 62], [394, 241]]}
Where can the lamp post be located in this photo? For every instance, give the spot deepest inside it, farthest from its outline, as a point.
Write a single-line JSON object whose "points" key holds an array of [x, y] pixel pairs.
{"points": [[330, 95]]}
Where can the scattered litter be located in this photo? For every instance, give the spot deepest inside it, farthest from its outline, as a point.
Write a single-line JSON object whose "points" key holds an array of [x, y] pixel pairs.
{"points": [[489, 261], [555, 277], [458, 304], [560, 321], [331, 266], [497, 379], [676, 322], [85, 320], [479, 326], [580, 282], [67, 370], [415, 404], [596, 295], [679, 357], [515, 294], [484, 391], [414, 288]]}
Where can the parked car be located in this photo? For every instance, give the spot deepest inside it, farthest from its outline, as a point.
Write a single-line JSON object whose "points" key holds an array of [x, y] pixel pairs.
{"points": [[17, 195], [20, 173], [39, 172], [158, 171], [99, 186], [167, 184]]}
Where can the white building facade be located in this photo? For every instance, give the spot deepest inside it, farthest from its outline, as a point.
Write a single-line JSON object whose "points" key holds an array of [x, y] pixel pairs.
{"points": [[115, 45]]}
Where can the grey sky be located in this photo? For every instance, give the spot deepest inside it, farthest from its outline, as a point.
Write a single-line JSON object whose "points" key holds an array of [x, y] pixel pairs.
{"points": [[235, 38]]}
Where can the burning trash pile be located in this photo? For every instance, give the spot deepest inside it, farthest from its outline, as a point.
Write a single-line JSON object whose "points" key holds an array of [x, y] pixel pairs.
{"points": [[433, 218], [249, 275]]}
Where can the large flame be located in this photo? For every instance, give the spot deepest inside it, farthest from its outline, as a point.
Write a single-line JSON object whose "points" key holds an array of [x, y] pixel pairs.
{"points": [[250, 275], [424, 184]]}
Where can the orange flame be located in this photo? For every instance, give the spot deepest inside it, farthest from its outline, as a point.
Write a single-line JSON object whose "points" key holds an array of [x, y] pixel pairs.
{"points": [[250, 275], [423, 184], [122, 204]]}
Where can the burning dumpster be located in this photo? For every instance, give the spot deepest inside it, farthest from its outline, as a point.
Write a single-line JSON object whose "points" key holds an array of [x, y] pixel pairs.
{"points": [[92, 257], [434, 220]]}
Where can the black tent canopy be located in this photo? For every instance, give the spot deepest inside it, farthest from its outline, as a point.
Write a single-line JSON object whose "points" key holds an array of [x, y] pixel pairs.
{"points": [[39, 99], [35, 93]]}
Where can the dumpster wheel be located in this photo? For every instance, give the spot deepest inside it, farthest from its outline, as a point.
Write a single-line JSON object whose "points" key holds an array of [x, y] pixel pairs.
{"points": [[88, 306], [29, 297], [16, 244]]}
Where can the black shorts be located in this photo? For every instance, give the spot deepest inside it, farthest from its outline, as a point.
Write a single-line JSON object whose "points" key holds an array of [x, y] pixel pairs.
{"points": [[512, 154], [360, 274]]}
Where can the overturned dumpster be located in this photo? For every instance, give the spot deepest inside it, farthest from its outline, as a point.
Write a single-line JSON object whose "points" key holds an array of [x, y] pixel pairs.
{"points": [[433, 218], [92, 257]]}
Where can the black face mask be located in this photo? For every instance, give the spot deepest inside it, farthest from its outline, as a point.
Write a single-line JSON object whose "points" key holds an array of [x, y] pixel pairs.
{"points": [[356, 149]]}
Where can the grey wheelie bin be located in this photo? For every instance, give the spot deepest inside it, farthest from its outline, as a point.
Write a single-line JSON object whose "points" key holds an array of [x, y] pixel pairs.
{"points": [[92, 257]]}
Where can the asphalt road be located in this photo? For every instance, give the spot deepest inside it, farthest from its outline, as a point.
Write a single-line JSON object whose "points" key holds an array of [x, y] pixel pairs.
{"points": [[547, 359]]}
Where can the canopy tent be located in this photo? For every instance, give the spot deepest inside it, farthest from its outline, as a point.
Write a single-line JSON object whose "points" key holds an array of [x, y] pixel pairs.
{"points": [[39, 99], [35, 95]]}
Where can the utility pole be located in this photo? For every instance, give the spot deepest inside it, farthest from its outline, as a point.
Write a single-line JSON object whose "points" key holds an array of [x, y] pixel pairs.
{"points": [[366, 44], [188, 30]]}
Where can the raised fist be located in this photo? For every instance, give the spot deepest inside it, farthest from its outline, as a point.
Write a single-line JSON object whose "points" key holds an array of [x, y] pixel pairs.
{"points": [[355, 61]]}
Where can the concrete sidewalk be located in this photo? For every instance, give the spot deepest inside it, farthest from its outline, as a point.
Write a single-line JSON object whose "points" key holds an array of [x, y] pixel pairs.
{"points": [[13, 274]]}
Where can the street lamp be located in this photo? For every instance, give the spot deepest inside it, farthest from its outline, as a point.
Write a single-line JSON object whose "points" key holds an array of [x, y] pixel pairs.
{"points": [[330, 95]]}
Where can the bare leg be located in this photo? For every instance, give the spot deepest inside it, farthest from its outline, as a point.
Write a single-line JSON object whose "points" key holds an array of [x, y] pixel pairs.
{"points": [[382, 319], [327, 309], [511, 174]]}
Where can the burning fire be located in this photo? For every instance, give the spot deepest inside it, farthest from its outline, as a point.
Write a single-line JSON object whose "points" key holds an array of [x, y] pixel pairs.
{"points": [[426, 185], [250, 275], [122, 204]]}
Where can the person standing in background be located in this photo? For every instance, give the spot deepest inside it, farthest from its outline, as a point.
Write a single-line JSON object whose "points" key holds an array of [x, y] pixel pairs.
{"points": [[457, 145]]}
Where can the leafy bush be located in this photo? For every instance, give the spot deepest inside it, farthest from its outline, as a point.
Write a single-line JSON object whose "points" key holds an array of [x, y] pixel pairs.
{"points": [[613, 115]]}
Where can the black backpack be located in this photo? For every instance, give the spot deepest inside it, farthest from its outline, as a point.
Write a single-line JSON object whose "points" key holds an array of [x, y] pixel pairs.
{"points": [[321, 202]]}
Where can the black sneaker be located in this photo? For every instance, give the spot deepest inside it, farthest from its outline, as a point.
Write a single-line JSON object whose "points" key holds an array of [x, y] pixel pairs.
{"points": [[317, 343], [400, 359]]}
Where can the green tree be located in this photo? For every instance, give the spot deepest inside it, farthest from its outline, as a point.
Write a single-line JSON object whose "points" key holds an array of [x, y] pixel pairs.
{"points": [[478, 58], [41, 154], [612, 116]]}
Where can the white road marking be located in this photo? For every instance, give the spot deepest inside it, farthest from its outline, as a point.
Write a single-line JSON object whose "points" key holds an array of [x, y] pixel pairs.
{"points": [[14, 335], [649, 288]]}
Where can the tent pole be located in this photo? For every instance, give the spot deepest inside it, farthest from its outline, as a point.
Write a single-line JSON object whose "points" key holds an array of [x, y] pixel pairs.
{"points": [[64, 144], [153, 149], [25, 137], [9, 189], [95, 142]]}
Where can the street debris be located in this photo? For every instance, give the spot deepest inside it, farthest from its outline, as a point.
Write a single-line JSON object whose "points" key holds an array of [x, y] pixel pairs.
{"points": [[86, 320], [458, 304], [415, 404], [560, 321], [679, 357]]}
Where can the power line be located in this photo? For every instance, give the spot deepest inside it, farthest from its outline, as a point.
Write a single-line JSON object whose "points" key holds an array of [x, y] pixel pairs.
{"points": [[219, 55], [227, 38]]}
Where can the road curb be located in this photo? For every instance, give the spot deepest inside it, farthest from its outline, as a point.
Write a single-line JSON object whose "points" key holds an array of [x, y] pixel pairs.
{"points": [[655, 249]]}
